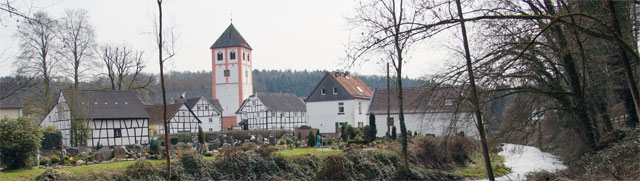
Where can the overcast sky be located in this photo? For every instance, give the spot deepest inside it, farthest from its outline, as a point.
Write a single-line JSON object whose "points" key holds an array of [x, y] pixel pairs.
{"points": [[290, 34]]}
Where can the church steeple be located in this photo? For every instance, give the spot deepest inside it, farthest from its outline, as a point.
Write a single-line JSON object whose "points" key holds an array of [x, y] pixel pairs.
{"points": [[230, 38]]}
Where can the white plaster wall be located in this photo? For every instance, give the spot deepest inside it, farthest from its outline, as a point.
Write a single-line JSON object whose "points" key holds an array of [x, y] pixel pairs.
{"points": [[323, 115], [438, 124], [220, 78], [233, 70], [127, 137], [210, 119], [228, 96]]}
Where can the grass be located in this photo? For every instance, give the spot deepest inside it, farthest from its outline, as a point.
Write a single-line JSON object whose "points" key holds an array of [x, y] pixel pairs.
{"points": [[476, 170], [31, 174], [312, 151]]}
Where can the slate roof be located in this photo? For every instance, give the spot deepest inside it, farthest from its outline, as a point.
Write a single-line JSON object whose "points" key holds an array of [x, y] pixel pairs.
{"points": [[193, 101], [230, 38], [155, 112], [420, 100], [11, 102], [106, 104], [193, 93], [354, 86], [279, 102]]}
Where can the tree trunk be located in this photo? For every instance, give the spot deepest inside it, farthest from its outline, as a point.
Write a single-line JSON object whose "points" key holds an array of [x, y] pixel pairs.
{"points": [[164, 97], [627, 65], [474, 97]]}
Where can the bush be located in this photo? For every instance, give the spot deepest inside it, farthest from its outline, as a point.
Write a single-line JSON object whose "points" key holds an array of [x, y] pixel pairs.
{"points": [[19, 141], [266, 150], [249, 146], [333, 168], [52, 140], [50, 175], [192, 163], [142, 170], [174, 140], [439, 153], [55, 159], [154, 147], [208, 154], [45, 160]]}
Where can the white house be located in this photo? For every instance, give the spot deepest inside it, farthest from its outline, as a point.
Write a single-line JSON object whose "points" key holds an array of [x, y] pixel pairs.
{"points": [[11, 106], [208, 111], [434, 111], [338, 98], [272, 111], [179, 117], [114, 117]]}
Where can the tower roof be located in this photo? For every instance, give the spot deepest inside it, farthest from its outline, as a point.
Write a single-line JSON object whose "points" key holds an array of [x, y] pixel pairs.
{"points": [[230, 38]]}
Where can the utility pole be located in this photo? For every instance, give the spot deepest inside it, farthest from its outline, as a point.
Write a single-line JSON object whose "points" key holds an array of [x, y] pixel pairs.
{"points": [[388, 103]]}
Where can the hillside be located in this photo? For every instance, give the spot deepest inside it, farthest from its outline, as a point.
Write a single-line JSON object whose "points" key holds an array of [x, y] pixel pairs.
{"points": [[299, 83]]}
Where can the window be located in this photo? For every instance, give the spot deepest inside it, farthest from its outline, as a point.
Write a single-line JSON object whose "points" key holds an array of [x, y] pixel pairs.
{"points": [[117, 133], [210, 129], [340, 108], [448, 102], [323, 92], [211, 120], [359, 107], [248, 58], [227, 73], [360, 124], [232, 55], [244, 57], [335, 91], [220, 56]]}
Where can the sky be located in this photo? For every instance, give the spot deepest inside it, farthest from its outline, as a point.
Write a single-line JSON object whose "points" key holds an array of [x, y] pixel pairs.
{"points": [[284, 34]]}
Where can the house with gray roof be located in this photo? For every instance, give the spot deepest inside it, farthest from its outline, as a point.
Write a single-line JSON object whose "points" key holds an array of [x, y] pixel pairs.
{"points": [[114, 118], [180, 119], [209, 111], [272, 111], [11, 106]]}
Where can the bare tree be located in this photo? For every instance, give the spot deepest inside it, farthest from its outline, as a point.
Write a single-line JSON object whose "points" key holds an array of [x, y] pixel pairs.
{"points": [[170, 50], [78, 40], [124, 67], [384, 25], [37, 45]]}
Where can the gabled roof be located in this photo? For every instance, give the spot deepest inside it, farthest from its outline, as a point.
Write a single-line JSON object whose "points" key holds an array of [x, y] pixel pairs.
{"points": [[230, 38], [420, 100], [278, 102], [155, 112], [106, 104], [11, 102], [353, 86], [193, 101]]}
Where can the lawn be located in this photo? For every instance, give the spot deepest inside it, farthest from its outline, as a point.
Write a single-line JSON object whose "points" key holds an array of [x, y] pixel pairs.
{"points": [[312, 151], [23, 174]]}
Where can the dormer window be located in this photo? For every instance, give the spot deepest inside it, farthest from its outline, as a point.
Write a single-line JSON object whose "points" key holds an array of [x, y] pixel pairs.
{"points": [[323, 92], [232, 55], [335, 91], [220, 56]]}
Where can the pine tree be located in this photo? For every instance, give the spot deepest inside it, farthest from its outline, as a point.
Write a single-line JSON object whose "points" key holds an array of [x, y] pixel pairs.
{"points": [[372, 126], [311, 139], [393, 133]]}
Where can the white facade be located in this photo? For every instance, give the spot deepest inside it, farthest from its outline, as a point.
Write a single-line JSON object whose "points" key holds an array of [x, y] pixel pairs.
{"points": [[326, 115], [256, 116], [211, 119], [233, 77], [183, 120], [106, 132], [438, 124]]}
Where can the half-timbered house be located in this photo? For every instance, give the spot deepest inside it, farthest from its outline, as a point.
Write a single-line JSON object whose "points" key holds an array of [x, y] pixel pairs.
{"points": [[114, 117], [272, 111], [180, 119], [209, 111]]}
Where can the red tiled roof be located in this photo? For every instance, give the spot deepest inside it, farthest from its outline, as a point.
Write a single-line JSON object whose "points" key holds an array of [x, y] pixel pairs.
{"points": [[354, 86], [228, 122]]}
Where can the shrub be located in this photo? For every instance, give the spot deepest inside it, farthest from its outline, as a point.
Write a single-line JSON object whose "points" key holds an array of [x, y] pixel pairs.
{"points": [[265, 150], [249, 146], [311, 140], [394, 135], [154, 147], [52, 140], [208, 154], [55, 159], [542, 175], [174, 140], [142, 170], [45, 160], [440, 153], [333, 168], [19, 140], [49, 175], [192, 163]]}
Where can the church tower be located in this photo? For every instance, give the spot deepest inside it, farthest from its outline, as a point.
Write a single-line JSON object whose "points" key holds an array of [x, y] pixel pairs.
{"points": [[232, 74]]}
